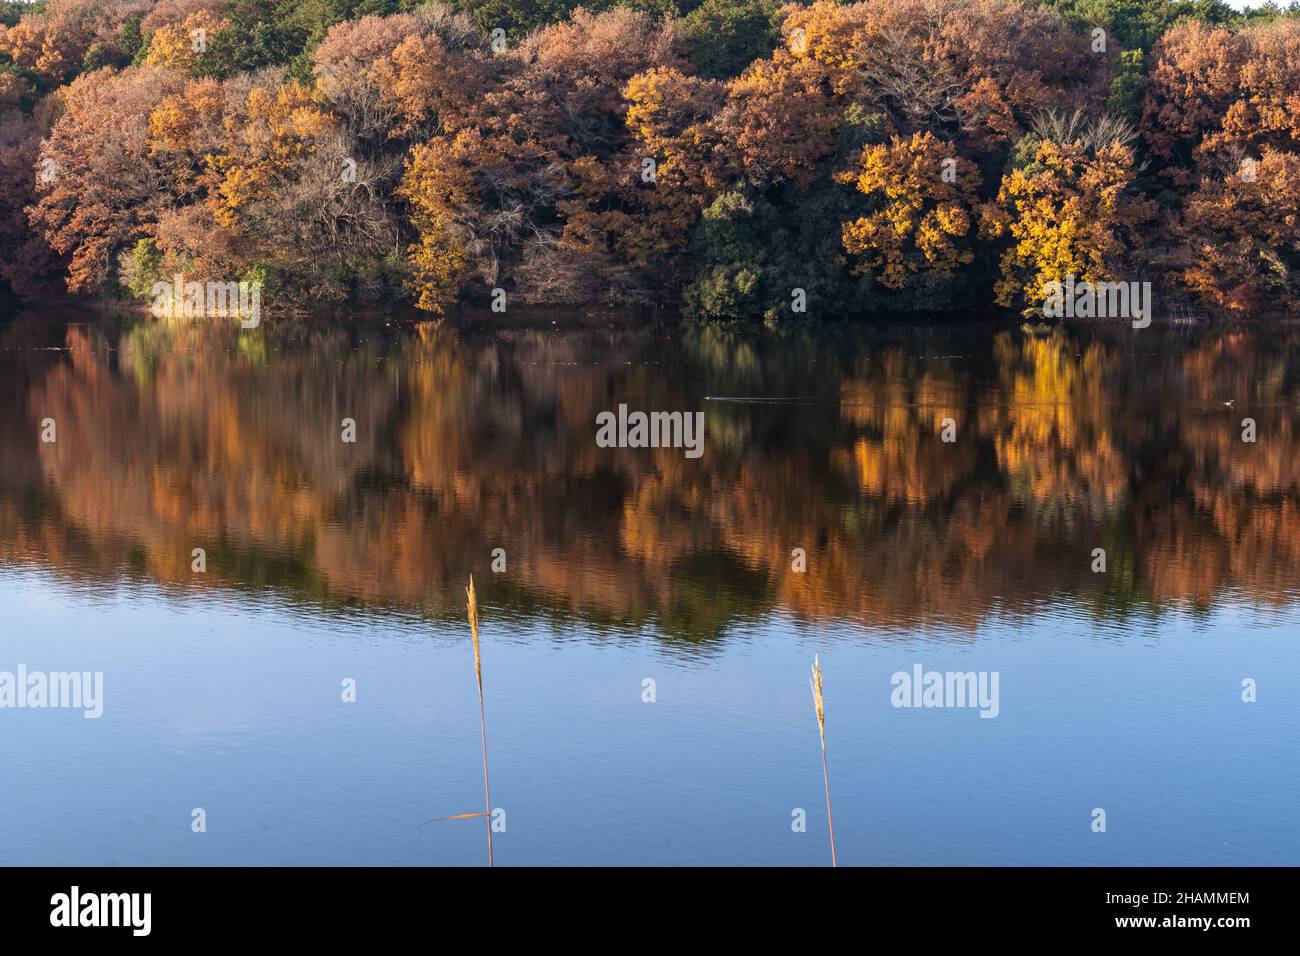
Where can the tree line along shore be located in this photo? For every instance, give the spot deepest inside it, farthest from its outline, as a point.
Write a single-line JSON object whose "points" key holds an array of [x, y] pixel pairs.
{"points": [[734, 159]]}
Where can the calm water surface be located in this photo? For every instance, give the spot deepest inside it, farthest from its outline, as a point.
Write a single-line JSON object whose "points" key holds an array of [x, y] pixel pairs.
{"points": [[326, 561]]}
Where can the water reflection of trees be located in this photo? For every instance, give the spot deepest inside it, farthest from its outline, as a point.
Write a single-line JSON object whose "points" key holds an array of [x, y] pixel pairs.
{"points": [[180, 436]]}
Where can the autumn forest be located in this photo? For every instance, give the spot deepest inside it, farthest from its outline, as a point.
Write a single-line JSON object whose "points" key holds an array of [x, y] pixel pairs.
{"points": [[714, 157]]}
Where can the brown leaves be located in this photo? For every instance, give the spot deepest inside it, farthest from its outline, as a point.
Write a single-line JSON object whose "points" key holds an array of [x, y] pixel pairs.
{"points": [[29, 265], [279, 128], [1192, 83], [530, 173], [1244, 236], [106, 189], [779, 121], [51, 45], [1224, 108]]}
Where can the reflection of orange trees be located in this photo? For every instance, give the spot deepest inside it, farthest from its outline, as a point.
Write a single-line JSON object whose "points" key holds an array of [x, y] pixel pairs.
{"points": [[498, 458], [1195, 548], [1182, 561], [1261, 384], [435, 439], [200, 455], [1051, 426], [897, 556], [1239, 524], [194, 435], [1268, 467], [1260, 548], [901, 406]]}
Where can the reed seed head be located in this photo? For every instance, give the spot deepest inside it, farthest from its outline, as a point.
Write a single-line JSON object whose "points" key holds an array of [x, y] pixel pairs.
{"points": [[816, 683], [473, 628]]}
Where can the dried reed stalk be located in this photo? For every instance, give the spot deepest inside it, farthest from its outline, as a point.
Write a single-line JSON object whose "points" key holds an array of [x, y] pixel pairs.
{"points": [[482, 718], [816, 683]]}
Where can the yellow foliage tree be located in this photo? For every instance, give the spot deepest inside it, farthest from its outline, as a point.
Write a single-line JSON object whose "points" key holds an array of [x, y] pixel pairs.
{"points": [[670, 113], [1066, 214], [926, 197], [179, 45], [280, 127], [439, 183], [184, 130]]}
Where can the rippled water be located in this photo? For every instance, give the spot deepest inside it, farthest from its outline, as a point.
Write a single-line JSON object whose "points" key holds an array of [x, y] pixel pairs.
{"points": [[1120, 690]]}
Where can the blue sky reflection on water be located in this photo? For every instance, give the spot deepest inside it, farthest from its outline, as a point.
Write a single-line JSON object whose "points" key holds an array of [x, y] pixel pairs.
{"points": [[233, 705]]}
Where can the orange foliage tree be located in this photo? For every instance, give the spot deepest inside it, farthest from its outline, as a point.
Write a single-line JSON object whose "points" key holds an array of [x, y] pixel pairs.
{"points": [[105, 190], [278, 128], [1244, 236], [182, 45], [1223, 112], [925, 217]]}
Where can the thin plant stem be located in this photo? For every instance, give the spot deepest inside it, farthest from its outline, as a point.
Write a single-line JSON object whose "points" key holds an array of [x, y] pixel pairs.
{"points": [[818, 701], [482, 716]]}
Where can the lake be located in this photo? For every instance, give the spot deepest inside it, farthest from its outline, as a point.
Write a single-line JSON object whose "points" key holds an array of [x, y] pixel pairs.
{"points": [[1076, 519]]}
